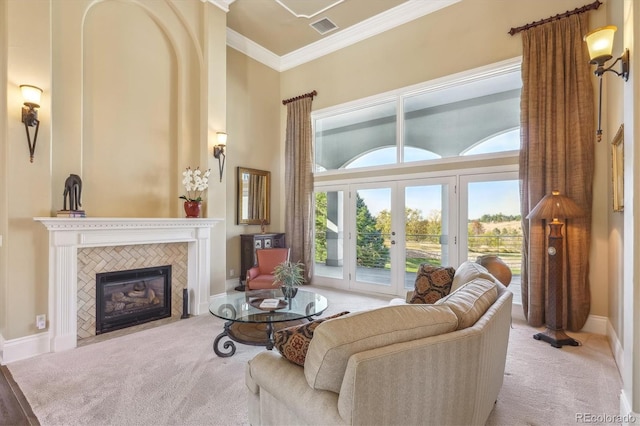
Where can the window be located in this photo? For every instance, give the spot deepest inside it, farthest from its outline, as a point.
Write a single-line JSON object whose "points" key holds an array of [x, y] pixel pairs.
{"points": [[469, 117], [342, 138], [429, 186], [381, 156]]}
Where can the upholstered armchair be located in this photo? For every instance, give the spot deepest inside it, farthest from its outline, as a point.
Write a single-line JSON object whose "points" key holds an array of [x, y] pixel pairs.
{"points": [[261, 275]]}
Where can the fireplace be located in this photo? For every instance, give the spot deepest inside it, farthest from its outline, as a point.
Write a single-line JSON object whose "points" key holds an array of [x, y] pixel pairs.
{"points": [[69, 238], [132, 297]]}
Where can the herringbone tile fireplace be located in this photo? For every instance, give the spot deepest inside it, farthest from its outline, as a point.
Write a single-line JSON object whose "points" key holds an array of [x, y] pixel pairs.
{"points": [[93, 260]]}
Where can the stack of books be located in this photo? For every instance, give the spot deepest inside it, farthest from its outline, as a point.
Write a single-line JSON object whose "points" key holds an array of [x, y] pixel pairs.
{"points": [[269, 303], [71, 213]]}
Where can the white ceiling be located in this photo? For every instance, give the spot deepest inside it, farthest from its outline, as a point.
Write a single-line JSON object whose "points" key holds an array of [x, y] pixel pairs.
{"points": [[278, 33]]}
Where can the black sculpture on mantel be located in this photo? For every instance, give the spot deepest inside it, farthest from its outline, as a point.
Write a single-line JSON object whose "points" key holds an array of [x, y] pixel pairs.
{"points": [[72, 190]]}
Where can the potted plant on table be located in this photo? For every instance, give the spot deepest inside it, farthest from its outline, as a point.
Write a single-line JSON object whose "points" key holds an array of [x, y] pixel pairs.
{"points": [[195, 183], [289, 276]]}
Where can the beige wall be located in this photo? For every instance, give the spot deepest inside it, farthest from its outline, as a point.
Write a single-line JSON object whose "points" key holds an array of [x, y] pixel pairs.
{"points": [[613, 117], [254, 110], [4, 160], [630, 290], [127, 105], [27, 185], [466, 35], [214, 112]]}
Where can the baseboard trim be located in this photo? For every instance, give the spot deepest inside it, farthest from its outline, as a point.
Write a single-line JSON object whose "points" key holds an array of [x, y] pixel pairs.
{"points": [[25, 347], [1, 345], [596, 324], [616, 347], [231, 284], [29, 346], [627, 416]]}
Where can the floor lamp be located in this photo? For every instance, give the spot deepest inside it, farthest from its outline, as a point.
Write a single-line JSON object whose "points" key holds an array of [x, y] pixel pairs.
{"points": [[552, 207]]}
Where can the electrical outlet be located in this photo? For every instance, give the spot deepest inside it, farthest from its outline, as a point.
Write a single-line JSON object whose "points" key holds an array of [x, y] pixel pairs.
{"points": [[232, 272], [41, 321]]}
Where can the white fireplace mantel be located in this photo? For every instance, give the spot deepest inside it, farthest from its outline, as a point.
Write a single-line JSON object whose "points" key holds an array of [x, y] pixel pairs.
{"points": [[67, 235]]}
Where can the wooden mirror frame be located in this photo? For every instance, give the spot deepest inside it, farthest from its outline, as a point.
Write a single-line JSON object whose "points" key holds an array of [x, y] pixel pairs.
{"points": [[617, 157], [243, 197]]}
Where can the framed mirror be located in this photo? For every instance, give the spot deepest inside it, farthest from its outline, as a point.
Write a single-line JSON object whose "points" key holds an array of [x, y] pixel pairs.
{"points": [[617, 156], [254, 196]]}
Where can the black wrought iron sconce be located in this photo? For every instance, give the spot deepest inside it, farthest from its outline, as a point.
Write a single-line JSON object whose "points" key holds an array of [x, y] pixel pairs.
{"points": [[600, 44], [218, 151], [31, 96]]}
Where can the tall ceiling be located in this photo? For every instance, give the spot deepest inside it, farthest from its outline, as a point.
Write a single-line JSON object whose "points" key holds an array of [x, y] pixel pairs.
{"points": [[279, 32]]}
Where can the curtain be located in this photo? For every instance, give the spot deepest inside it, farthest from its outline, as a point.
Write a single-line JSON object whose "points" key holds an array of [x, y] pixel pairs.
{"points": [[557, 152], [299, 183]]}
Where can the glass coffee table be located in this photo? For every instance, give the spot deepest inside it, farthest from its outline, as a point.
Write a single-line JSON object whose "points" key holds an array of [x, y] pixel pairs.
{"points": [[243, 309]]}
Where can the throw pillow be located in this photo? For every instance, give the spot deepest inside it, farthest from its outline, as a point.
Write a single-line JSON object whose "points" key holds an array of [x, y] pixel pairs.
{"points": [[293, 342], [432, 283], [469, 271], [471, 301]]}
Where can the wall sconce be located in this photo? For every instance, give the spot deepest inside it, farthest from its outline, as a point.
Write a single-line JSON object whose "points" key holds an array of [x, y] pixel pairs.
{"points": [[218, 151], [600, 44], [31, 96]]}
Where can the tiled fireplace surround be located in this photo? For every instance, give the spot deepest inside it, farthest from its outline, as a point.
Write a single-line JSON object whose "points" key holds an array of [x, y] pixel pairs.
{"points": [[94, 260], [81, 247]]}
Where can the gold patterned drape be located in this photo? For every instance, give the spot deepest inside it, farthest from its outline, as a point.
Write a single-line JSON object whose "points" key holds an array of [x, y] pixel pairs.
{"points": [[557, 152], [299, 183]]}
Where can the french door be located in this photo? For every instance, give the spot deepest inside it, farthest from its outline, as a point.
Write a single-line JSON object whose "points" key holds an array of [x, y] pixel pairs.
{"points": [[490, 220], [373, 236]]}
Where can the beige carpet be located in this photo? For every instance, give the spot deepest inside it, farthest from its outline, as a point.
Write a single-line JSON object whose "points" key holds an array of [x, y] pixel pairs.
{"points": [[169, 375]]}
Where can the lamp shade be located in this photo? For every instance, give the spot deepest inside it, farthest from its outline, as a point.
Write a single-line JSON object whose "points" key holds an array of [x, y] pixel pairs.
{"points": [[31, 95], [555, 206], [600, 43], [222, 138]]}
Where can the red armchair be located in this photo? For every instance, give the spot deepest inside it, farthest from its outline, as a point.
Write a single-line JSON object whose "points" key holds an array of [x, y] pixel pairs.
{"points": [[261, 275]]}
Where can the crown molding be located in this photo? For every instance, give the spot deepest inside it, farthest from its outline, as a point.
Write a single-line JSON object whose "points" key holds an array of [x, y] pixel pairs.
{"points": [[399, 15], [222, 4], [301, 15], [252, 49]]}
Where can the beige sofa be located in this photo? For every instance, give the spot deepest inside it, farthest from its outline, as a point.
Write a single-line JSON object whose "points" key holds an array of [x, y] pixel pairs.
{"points": [[440, 364]]}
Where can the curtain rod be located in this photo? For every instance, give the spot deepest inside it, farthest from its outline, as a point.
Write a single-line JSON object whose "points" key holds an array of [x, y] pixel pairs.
{"points": [[306, 95], [596, 4]]}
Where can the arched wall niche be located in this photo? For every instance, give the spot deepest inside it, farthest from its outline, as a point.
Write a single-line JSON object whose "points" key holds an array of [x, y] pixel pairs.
{"points": [[141, 99]]}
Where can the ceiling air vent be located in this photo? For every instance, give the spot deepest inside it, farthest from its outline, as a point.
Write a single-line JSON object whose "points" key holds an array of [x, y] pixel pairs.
{"points": [[324, 26]]}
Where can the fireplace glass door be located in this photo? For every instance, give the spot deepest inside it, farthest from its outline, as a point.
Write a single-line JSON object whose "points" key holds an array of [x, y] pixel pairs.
{"points": [[132, 297]]}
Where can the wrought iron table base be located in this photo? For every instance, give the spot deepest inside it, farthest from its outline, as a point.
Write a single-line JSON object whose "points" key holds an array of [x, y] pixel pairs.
{"points": [[230, 346], [556, 338]]}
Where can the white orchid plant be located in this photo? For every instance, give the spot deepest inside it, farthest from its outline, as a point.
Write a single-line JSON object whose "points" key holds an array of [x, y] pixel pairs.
{"points": [[195, 182]]}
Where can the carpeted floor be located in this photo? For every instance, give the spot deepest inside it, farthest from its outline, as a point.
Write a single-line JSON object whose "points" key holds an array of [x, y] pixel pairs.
{"points": [[169, 375]]}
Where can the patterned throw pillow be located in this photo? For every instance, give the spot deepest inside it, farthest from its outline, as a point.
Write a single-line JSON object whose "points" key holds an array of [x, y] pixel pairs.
{"points": [[432, 283], [293, 342]]}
